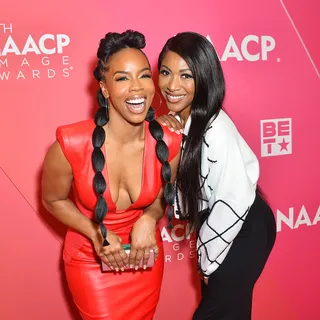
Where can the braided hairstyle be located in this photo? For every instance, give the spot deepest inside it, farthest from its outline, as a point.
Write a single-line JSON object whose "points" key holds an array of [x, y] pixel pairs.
{"points": [[109, 45]]}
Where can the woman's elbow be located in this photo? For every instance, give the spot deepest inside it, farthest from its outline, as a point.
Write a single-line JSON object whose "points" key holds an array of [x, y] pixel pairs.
{"points": [[47, 204]]}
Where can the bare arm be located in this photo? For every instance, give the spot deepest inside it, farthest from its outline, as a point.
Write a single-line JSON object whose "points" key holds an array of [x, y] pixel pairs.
{"points": [[56, 183]]}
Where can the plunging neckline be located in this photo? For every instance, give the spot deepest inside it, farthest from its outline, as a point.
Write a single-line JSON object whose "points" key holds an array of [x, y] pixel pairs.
{"points": [[106, 175]]}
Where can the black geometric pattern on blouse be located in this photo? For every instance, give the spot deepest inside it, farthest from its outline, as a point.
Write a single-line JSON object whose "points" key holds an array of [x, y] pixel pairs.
{"points": [[204, 179], [205, 200], [217, 234], [205, 142], [202, 271], [214, 261], [207, 145]]}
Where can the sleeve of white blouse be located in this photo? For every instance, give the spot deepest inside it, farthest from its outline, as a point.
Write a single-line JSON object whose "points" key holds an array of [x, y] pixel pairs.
{"points": [[232, 174]]}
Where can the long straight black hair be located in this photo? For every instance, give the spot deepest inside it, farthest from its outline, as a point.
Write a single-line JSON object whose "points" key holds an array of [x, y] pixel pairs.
{"points": [[206, 69]]}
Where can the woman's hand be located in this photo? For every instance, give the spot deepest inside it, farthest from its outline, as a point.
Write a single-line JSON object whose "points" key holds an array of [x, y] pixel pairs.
{"points": [[112, 255], [203, 278], [143, 239], [171, 122]]}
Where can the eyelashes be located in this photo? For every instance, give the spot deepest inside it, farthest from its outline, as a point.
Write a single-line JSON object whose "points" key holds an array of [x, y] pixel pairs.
{"points": [[186, 76], [183, 76], [164, 72], [148, 76], [124, 78]]}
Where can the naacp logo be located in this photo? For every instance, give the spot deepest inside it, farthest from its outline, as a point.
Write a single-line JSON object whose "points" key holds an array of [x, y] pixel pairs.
{"points": [[180, 243], [276, 137], [295, 217], [251, 48], [25, 56]]}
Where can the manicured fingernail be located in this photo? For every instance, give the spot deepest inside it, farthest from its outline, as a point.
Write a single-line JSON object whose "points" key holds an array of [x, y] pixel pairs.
{"points": [[122, 269], [164, 124], [131, 266], [144, 267], [181, 130], [117, 269], [177, 131], [136, 267], [171, 129], [111, 267]]}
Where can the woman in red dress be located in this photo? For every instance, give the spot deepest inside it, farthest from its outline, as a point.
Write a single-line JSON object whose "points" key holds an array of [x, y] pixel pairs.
{"points": [[119, 168]]}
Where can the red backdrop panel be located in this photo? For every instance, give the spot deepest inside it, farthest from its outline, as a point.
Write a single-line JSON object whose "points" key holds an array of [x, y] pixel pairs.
{"points": [[270, 55]]}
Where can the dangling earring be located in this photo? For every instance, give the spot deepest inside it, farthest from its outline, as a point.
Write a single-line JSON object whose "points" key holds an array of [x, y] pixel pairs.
{"points": [[101, 99], [107, 109], [158, 105]]}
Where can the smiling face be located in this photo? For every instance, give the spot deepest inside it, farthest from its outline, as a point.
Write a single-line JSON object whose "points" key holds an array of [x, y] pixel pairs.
{"points": [[176, 83], [128, 85]]}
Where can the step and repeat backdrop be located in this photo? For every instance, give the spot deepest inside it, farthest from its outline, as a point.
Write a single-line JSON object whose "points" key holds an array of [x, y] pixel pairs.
{"points": [[270, 54]]}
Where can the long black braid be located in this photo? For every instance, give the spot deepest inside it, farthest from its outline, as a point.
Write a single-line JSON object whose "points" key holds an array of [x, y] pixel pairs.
{"points": [[109, 45]]}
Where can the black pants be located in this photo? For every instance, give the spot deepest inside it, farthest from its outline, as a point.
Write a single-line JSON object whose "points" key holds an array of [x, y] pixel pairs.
{"points": [[228, 295]]}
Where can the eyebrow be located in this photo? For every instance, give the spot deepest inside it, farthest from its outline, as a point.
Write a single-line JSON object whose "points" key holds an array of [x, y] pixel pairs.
{"points": [[126, 72], [182, 70]]}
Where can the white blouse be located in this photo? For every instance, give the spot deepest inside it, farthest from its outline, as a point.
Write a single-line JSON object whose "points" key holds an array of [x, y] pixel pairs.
{"points": [[229, 175]]}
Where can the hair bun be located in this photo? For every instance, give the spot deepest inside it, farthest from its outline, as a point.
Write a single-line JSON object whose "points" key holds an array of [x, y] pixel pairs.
{"points": [[113, 42]]}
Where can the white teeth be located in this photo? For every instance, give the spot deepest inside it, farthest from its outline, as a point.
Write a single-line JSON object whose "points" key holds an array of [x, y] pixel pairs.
{"points": [[136, 101], [175, 97]]}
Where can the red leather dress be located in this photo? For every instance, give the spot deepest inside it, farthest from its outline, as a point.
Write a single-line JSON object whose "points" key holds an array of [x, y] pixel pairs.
{"points": [[130, 295]]}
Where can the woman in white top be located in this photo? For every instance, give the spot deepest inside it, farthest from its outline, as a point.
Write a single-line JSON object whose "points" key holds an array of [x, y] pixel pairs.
{"points": [[217, 180]]}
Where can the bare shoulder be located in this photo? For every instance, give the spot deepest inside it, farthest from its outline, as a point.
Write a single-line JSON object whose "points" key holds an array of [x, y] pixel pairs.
{"points": [[55, 160], [56, 175]]}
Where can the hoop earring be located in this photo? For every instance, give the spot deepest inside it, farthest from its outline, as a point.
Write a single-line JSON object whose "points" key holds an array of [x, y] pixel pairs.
{"points": [[157, 105]]}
